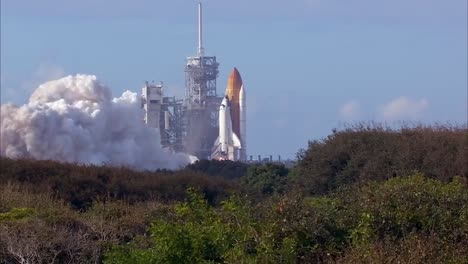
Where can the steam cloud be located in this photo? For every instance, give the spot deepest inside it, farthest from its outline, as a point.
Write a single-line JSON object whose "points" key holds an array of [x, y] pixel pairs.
{"points": [[75, 119]]}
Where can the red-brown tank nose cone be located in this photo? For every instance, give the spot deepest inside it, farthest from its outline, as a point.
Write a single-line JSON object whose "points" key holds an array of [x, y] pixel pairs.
{"points": [[235, 76]]}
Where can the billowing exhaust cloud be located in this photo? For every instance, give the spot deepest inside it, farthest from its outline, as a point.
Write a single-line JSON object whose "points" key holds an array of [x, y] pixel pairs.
{"points": [[75, 119]]}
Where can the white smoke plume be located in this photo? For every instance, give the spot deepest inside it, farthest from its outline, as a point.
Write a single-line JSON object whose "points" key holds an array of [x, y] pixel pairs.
{"points": [[75, 119]]}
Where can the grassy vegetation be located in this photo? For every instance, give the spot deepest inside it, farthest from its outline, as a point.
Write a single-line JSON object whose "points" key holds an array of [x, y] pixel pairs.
{"points": [[362, 195]]}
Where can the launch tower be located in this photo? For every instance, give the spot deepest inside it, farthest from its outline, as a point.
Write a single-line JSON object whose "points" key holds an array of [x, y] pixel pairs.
{"points": [[164, 114], [200, 107]]}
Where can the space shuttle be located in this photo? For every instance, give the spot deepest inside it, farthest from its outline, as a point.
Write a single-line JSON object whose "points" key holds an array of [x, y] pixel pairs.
{"points": [[231, 142]]}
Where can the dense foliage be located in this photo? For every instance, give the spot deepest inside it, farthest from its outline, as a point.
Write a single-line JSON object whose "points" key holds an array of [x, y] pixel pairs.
{"points": [[293, 229], [81, 185], [371, 152], [226, 168], [266, 179], [362, 195]]}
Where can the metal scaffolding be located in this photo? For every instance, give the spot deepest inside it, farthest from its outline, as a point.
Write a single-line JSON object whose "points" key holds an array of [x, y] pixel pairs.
{"points": [[191, 125], [171, 124], [200, 111]]}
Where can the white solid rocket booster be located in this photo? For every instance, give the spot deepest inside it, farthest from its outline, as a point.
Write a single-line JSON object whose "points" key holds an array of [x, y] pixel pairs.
{"points": [[243, 123], [224, 122]]}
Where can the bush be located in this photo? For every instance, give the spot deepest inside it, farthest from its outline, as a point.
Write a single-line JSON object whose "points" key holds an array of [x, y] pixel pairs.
{"points": [[222, 168], [402, 206], [368, 152], [81, 185], [266, 179], [372, 223], [37, 228]]}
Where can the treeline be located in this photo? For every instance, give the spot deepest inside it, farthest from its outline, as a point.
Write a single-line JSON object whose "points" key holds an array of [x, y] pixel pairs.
{"points": [[369, 152], [365, 194], [80, 185]]}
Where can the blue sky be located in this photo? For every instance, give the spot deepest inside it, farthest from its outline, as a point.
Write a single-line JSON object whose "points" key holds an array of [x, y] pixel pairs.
{"points": [[308, 65]]}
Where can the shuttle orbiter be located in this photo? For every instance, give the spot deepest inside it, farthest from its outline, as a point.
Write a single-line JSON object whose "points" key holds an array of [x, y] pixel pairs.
{"points": [[231, 143]]}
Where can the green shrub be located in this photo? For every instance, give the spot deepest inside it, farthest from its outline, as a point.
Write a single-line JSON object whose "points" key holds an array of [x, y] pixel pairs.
{"points": [[353, 224], [404, 205], [16, 214], [266, 179], [374, 153], [81, 185]]}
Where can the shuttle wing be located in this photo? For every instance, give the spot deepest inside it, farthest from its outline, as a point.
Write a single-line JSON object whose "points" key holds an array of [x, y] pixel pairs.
{"points": [[235, 140]]}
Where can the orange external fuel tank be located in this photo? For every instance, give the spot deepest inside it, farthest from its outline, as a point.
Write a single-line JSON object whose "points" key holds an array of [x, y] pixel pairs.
{"points": [[232, 91]]}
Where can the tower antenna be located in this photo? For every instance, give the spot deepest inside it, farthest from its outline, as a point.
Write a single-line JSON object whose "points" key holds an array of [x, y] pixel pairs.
{"points": [[200, 30]]}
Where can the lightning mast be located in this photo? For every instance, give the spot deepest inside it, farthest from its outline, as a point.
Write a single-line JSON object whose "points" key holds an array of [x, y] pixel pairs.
{"points": [[200, 30]]}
